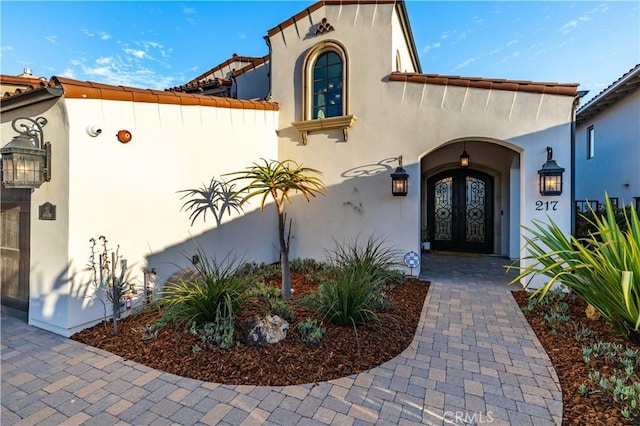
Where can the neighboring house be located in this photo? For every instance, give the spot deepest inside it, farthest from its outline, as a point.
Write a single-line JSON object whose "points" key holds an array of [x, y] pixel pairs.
{"points": [[347, 96], [607, 144]]}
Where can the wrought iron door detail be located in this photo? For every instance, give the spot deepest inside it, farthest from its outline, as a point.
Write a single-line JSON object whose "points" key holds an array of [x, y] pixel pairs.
{"points": [[443, 200], [460, 211], [476, 210]]}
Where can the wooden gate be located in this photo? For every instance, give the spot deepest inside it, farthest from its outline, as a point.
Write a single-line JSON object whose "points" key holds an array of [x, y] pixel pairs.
{"points": [[15, 224]]}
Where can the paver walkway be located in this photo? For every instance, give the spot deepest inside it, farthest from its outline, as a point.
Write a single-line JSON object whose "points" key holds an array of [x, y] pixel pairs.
{"points": [[474, 360]]}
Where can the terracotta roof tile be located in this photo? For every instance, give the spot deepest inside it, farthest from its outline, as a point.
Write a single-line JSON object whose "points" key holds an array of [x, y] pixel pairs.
{"points": [[90, 90], [15, 85], [234, 58], [252, 65], [566, 89]]}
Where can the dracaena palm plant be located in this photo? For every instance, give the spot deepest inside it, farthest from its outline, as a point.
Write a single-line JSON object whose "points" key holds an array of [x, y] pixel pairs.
{"points": [[278, 180], [603, 268]]}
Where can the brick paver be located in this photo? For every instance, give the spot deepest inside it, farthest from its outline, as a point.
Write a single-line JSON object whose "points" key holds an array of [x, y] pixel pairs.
{"points": [[473, 358]]}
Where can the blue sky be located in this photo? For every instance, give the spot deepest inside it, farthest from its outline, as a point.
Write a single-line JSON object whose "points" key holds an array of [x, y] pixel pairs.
{"points": [[151, 44]]}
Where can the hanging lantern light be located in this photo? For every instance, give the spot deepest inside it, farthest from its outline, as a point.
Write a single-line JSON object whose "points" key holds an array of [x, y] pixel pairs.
{"points": [[399, 180], [550, 176], [26, 161]]}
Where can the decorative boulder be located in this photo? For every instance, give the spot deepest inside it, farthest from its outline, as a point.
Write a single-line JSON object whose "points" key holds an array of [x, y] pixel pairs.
{"points": [[267, 330], [592, 313]]}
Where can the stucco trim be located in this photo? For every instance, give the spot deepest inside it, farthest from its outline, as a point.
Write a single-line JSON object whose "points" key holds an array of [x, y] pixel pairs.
{"points": [[74, 89], [564, 89], [344, 122]]}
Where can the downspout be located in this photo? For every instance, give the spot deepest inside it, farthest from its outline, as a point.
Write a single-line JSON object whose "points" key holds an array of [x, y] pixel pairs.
{"points": [[573, 164], [268, 41]]}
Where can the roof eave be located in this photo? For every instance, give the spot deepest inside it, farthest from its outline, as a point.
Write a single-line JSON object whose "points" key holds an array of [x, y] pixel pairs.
{"points": [[591, 107], [30, 97]]}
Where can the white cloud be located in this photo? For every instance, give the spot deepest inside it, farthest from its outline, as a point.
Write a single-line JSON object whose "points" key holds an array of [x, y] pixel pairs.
{"points": [[6, 48], [188, 10], [585, 17], [88, 33], [105, 36], [124, 72], [52, 39], [242, 36], [69, 73], [140, 54], [428, 47], [464, 64], [568, 27]]}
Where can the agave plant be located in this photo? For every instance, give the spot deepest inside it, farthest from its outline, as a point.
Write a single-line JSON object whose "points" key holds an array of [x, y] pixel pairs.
{"points": [[603, 269], [218, 197]]}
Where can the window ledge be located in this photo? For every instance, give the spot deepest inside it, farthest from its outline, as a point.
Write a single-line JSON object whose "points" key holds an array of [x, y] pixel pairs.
{"points": [[344, 122]]}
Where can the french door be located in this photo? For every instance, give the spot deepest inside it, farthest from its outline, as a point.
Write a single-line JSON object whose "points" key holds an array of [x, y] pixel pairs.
{"points": [[460, 211]]}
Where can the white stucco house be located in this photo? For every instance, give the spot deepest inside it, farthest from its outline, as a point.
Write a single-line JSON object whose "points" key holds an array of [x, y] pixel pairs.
{"points": [[608, 139], [340, 90]]}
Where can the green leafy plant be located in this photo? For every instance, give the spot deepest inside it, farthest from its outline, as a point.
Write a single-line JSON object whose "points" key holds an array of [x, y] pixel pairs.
{"points": [[213, 293], [279, 179], [218, 198], [603, 269], [218, 333], [622, 385], [270, 297], [311, 332], [352, 294]]}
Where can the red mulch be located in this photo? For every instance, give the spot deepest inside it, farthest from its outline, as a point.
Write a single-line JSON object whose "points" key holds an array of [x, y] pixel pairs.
{"points": [[342, 352], [566, 355]]}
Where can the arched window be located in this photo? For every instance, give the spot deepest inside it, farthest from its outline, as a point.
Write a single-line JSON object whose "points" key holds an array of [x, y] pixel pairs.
{"points": [[327, 86], [325, 99]]}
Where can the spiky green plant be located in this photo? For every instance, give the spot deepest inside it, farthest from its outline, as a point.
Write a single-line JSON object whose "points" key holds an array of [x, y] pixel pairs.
{"points": [[279, 179], [218, 198], [603, 269], [213, 293], [352, 294]]}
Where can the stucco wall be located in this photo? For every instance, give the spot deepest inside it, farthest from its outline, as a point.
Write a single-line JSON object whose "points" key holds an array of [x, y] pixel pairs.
{"points": [[129, 193], [614, 167], [49, 285], [408, 119]]}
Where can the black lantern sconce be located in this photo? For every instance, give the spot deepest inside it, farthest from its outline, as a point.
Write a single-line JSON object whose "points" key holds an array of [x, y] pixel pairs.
{"points": [[399, 180], [464, 157], [26, 161], [550, 176]]}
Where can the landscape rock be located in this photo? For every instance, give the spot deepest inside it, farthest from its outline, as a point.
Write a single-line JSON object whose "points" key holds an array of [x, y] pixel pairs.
{"points": [[263, 331]]}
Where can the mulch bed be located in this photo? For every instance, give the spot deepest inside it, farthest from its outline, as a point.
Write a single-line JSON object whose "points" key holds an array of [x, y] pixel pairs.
{"points": [[343, 351], [566, 355]]}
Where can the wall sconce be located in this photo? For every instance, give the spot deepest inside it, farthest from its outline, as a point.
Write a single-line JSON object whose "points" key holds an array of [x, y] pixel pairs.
{"points": [[464, 157], [26, 162], [399, 180], [550, 176]]}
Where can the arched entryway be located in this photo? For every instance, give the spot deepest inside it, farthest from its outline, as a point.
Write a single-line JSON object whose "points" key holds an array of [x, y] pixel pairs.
{"points": [[460, 211]]}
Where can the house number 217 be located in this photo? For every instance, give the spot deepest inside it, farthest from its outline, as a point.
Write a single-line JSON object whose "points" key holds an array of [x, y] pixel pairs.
{"points": [[546, 205]]}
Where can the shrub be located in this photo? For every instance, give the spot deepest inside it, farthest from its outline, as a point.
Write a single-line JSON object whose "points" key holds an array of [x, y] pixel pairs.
{"points": [[603, 269], [269, 297], [311, 332], [353, 292], [622, 386], [215, 292]]}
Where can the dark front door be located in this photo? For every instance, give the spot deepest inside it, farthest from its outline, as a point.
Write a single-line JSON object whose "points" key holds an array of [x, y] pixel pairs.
{"points": [[460, 211], [14, 247]]}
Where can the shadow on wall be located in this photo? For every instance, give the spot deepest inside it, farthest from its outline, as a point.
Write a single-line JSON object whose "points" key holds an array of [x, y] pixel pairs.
{"points": [[251, 237], [354, 208]]}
